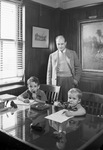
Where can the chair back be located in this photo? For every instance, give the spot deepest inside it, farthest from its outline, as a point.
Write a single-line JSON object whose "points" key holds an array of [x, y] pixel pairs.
{"points": [[93, 103], [51, 91]]}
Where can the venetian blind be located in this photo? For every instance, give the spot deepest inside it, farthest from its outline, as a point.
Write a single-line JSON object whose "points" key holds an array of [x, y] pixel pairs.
{"points": [[11, 40]]}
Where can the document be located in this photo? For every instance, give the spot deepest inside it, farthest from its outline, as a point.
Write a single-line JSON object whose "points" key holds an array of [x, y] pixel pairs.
{"points": [[4, 109], [6, 97], [19, 102], [59, 116]]}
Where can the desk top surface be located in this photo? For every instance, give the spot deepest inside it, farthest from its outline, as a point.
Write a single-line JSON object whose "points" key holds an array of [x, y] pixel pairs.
{"points": [[76, 133]]}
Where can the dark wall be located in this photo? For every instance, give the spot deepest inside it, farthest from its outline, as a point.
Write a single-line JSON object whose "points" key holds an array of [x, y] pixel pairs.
{"points": [[70, 23], [36, 59], [58, 21]]}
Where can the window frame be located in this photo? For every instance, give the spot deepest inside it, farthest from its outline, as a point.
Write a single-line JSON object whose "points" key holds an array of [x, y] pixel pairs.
{"points": [[17, 79]]}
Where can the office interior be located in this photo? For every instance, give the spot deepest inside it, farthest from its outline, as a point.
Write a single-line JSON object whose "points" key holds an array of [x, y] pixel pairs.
{"points": [[64, 18]]}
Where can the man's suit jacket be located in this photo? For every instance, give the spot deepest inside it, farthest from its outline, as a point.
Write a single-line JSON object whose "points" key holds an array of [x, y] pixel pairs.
{"points": [[53, 63]]}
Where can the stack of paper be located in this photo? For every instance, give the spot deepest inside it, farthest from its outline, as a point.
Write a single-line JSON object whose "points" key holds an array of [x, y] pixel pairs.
{"points": [[59, 116], [19, 102], [6, 97]]}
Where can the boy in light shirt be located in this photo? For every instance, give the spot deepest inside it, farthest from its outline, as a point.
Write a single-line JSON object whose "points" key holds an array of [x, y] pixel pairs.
{"points": [[73, 104]]}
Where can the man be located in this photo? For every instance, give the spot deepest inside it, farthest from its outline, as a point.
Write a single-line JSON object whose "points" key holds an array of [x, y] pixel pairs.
{"points": [[63, 69]]}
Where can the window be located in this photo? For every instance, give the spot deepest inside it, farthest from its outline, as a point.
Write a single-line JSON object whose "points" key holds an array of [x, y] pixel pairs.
{"points": [[11, 41]]}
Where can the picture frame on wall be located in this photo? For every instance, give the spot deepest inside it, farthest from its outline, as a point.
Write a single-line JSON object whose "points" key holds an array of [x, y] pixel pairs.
{"points": [[40, 37], [91, 45]]}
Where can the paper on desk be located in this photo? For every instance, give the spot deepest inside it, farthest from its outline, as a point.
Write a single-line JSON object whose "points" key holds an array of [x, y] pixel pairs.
{"points": [[19, 102], [6, 97], [58, 116]]}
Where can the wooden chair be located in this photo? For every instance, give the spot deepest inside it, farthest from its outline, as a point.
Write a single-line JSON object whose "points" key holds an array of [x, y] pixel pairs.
{"points": [[93, 103], [52, 92]]}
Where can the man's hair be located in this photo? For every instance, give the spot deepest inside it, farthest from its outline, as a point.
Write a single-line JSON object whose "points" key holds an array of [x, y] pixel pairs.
{"points": [[33, 79], [60, 37], [76, 91]]}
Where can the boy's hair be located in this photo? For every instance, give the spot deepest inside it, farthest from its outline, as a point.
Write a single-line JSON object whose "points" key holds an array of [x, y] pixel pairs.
{"points": [[33, 79], [77, 91]]}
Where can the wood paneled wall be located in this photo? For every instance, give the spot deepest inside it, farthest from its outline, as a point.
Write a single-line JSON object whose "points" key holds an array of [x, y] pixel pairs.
{"points": [[58, 21], [70, 19], [36, 59]]}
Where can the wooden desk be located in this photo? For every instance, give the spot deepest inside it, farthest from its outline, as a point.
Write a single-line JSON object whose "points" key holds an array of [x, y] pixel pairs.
{"points": [[81, 133]]}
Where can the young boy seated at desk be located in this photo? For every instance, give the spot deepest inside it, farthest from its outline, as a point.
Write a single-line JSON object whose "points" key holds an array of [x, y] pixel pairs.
{"points": [[33, 92], [73, 104]]}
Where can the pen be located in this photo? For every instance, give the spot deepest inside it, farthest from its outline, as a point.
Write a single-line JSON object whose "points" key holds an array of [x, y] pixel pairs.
{"points": [[63, 112]]}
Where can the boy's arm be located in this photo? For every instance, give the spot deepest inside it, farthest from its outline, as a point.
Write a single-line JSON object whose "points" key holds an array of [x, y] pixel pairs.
{"points": [[37, 100], [40, 94], [43, 96], [24, 97], [80, 112], [58, 104]]}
